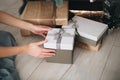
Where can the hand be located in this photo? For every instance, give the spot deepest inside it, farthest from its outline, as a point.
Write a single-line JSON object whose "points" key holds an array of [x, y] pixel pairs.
{"points": [[41, 30], [35, 50]]}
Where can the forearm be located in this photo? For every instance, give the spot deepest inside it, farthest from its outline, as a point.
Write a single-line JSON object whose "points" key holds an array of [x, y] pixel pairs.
{"points": [[32, 49], [11, 51], [13, 21]]}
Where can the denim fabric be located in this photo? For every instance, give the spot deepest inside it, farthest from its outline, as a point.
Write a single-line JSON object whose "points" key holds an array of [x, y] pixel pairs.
{"points": [[7, 66]]}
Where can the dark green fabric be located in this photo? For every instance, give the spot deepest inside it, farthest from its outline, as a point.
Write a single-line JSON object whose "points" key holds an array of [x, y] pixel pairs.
{"points": [[7, 66], [112, 10], [59, 3]]}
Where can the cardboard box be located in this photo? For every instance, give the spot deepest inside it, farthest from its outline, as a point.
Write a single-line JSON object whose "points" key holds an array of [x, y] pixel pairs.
{"points": [[89, 32], [43, 13], [89, 47], [93, 15], [63, 42]]}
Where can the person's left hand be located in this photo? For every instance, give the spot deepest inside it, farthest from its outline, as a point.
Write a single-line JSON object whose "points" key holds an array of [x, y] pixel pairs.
{"points": [[41, 30]]}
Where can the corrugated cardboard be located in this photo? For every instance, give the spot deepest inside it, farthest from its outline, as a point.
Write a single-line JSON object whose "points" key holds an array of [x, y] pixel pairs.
{"points": [[42, 13]]}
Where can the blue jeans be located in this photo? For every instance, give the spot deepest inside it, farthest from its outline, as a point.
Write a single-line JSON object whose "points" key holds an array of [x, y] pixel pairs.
{"points": [[7, 66]]}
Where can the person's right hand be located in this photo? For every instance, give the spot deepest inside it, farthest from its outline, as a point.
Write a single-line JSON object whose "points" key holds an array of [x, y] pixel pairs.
{"points": [[35, 50], [40, 30]]}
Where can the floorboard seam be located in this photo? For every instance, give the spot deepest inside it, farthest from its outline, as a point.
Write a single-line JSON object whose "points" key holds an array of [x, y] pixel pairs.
{"points": [[35, 69], [106, 62], [65, 73]]}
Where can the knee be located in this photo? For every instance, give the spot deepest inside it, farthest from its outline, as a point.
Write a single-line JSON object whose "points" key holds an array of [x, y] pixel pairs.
{"points": [[6, 38], [5, 35]]}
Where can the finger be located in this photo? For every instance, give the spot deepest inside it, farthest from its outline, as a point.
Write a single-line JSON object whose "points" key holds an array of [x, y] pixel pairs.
{"points": [[45, 32], [41, 42], [44, 56], [43, 35], [47, 54], [45, 28], [48, 50]]}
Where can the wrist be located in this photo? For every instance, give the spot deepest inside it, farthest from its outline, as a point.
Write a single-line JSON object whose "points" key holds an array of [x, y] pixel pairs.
{"points": [[23, 49], [29, 26]]}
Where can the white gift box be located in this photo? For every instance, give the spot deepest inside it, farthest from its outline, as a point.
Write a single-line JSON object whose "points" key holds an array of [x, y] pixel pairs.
{"points": [[63, 41], [89, 31], [67, 40]]}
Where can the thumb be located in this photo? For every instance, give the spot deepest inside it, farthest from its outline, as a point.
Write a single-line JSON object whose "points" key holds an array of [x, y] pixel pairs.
{"points": [[41, 42], [46, 28]]}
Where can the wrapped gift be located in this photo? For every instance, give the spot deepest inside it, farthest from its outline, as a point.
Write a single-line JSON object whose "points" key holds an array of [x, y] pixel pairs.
{"points": [[88, 31], [93, 15], [44, 13], [89, 47], [63, 41]]}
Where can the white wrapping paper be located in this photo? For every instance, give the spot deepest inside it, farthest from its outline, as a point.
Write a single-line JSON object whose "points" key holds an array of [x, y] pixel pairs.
{"points": [[67, 40], [90, 29]]}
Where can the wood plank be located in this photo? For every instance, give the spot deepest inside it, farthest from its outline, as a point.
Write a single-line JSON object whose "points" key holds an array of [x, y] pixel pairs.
{"points": [[112, 68], [117, 41], [49, 71], [52, 71], [25, 65], [89, 66]]}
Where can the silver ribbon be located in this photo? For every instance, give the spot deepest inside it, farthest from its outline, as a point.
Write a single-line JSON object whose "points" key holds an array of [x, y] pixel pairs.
{"points": [[58, 37], [75, 25]]}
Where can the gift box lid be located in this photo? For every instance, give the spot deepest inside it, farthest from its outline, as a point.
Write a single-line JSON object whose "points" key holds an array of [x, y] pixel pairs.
{"points": [[89, 28], [67, 39]]}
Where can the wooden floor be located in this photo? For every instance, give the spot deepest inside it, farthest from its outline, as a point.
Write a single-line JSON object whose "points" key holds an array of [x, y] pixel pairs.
{"points": [[88, 65]]}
